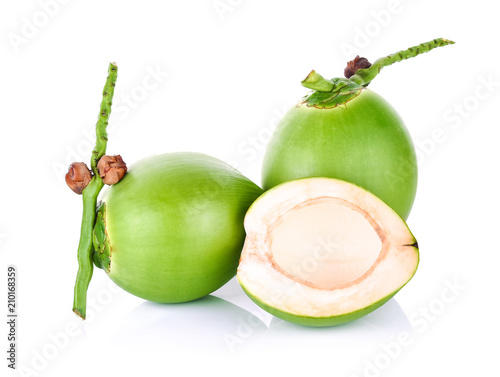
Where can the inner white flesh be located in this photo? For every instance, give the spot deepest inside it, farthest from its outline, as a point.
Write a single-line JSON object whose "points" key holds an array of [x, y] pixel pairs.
{"points": [[325, 245]]}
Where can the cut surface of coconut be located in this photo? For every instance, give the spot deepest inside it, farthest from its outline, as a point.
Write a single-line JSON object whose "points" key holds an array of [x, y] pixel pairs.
{"points": [[324, 251]]}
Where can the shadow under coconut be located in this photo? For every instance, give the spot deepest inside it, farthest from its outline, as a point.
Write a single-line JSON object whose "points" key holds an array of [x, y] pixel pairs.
{"points": [[207, 323]]}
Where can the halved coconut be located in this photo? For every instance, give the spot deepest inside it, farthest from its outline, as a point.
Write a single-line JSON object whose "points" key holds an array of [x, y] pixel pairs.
{"points": [[322, 252]]}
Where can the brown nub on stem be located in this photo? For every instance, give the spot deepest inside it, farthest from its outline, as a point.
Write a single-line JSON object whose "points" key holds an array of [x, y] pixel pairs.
{"points": [[78, 177], [354, 65], [111, 169]]}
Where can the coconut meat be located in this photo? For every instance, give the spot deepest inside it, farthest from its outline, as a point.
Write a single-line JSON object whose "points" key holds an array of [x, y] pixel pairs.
{"points": [[324, 244]]}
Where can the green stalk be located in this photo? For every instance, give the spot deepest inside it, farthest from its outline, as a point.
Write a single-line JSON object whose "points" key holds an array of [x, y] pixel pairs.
{"points": [[90, 194], [338, 91], [366, 75]]}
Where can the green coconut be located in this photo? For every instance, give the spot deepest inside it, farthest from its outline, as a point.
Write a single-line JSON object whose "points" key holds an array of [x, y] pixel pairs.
{"points": [[323, 252], [172, 229], [344, 130], [365, 143]]}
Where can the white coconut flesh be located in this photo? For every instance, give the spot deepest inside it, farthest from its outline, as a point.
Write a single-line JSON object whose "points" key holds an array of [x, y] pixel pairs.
{"points": [[321, 247]]}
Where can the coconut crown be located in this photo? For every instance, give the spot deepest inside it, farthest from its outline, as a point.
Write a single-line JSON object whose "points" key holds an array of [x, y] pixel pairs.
{"points": [[359, 73]]}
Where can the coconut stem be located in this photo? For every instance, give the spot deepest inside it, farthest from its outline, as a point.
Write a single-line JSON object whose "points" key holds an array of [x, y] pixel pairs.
{"points": [[90, 194], [364, 76]]}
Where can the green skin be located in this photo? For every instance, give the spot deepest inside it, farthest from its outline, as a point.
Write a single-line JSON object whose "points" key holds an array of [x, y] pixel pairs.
{"points": [[174, 227], [365, 143], [343, 130], [319, 321]]}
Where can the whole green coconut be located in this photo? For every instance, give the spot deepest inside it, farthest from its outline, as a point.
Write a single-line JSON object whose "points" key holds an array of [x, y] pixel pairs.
{"points": [[365, 142], [344, 130], [172, 229]]}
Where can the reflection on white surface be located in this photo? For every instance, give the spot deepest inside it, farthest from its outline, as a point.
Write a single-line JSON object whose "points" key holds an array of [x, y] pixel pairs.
{"points": [[223, 327], [381, 325], [209, 322]]}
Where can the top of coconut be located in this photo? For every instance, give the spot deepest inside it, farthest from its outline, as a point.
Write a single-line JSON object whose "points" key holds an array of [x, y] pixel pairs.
{"points": [[338, 91]]}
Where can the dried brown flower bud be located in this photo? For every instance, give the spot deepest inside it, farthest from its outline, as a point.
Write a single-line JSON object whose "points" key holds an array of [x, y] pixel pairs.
{"points": [[111, 169], [78, 177], [354, 65]]}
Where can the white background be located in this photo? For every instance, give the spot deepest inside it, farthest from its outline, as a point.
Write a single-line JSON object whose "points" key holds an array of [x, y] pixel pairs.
{"points": [[215, 77]]}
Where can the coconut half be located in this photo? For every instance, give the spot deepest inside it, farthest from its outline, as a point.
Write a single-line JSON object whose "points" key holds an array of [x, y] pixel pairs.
{"points": [[322, 252]]}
